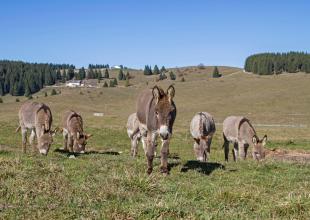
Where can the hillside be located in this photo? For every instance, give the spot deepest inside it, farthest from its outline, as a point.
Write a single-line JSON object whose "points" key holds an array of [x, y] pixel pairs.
{"points": [[107, 183]]}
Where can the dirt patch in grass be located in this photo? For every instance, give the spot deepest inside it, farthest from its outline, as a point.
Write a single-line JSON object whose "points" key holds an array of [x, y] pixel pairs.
{"points": [[299, 156]]}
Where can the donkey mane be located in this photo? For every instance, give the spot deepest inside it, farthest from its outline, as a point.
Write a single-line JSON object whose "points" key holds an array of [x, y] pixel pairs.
{"points": [[243, 120]]}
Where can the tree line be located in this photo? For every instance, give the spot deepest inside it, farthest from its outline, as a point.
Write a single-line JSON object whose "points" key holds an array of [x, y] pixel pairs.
{"points": [[277, 63], [20, 78]]}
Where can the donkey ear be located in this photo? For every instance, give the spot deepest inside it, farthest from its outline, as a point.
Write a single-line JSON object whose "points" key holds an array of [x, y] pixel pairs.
{"points": [[88, 136], [264, 141], [156, 93], [170, 92], [254, 139], [78, 135]]}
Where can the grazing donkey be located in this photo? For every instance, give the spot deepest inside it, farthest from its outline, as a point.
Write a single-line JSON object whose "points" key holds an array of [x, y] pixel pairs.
{"points": [[135, 134], [72, 130], [156, 113], [202, 128], [38, 118], [239, 131]]}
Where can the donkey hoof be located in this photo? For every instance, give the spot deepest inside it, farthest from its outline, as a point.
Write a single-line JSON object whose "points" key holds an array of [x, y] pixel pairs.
{"points": [[149, 171], [164, 171]]}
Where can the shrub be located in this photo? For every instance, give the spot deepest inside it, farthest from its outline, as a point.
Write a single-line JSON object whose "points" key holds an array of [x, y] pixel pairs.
{"points": [[17, 100], [53, 92], [1, 101], [81, 93], [45, 94], [172, 76], [30, 97], [182, 79]]}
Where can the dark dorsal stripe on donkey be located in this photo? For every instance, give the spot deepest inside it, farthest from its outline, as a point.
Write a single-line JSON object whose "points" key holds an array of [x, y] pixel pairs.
{"points": [[156, 112]]}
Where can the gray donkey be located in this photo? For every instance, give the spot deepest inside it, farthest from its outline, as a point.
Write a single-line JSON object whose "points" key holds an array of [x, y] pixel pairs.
{"points": [[156, 113], [72, 130], [135, 133], [38, 118], [239, 131], [202, 128]]}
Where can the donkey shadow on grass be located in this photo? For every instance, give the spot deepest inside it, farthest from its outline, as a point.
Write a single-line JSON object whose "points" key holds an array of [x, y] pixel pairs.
{"points": [[86, 153], [202, 167]]}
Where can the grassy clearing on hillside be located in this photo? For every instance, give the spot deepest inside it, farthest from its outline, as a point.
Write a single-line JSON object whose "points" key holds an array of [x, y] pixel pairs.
{"points": [[107, 183]]}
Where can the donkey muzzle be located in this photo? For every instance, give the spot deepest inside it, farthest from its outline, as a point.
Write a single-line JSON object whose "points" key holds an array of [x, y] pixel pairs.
{"points": [[164, 132]]}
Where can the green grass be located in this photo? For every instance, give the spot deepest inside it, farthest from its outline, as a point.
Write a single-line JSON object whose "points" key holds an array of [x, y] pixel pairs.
{"points": [[106, 183]]}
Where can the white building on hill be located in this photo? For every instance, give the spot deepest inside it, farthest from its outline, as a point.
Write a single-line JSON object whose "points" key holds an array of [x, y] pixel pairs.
{"points": [[74, 83]]}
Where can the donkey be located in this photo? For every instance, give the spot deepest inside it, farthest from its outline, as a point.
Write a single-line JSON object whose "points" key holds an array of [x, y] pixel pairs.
{"points": [[135, 134], [38, 118], [202, 128], [239, 131], [156, 113], [72, 130]]}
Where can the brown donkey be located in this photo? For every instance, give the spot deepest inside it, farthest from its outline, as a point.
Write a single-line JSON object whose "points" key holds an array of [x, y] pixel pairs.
{"points": [[36, 117], [156, 113], [72, 130]]}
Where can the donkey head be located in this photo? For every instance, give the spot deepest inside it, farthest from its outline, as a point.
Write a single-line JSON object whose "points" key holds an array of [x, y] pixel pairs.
{"points": [[200, 148], [164, 110], [45, 140], [258, 147], [80, 142]]}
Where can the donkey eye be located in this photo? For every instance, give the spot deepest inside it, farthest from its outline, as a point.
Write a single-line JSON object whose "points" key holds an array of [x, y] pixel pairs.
{"points": [[156, 112]]}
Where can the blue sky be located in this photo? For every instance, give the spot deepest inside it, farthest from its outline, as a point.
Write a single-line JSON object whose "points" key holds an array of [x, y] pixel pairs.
{"points": [[164, 32]]}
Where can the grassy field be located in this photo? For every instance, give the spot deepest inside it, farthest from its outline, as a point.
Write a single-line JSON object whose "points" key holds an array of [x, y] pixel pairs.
{"points": [[106, 183]]}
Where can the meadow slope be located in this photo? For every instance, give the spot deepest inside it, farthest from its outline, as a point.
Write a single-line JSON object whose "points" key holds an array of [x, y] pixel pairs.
{"points": [[106, 183]]}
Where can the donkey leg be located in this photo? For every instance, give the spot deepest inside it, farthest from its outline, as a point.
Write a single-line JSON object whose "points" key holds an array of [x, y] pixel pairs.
{"points": [[241, 150], [31, 139], [164, 156], [150, 151], [70, 140], [134, 146], [65, 139], [235, 151], [246, 147], [208, 150], [144, 144], [226, 148], [24, 139]]}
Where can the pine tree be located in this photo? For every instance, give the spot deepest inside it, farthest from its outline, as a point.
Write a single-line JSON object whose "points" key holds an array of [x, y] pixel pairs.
{"points": [[106, 74], [105, 84], [172, 76], [156, 70], [163, 69], [115, 82], [70, 73], [111, 83], [58, 74], [53, 92], [120, 75], [216, 73]]}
